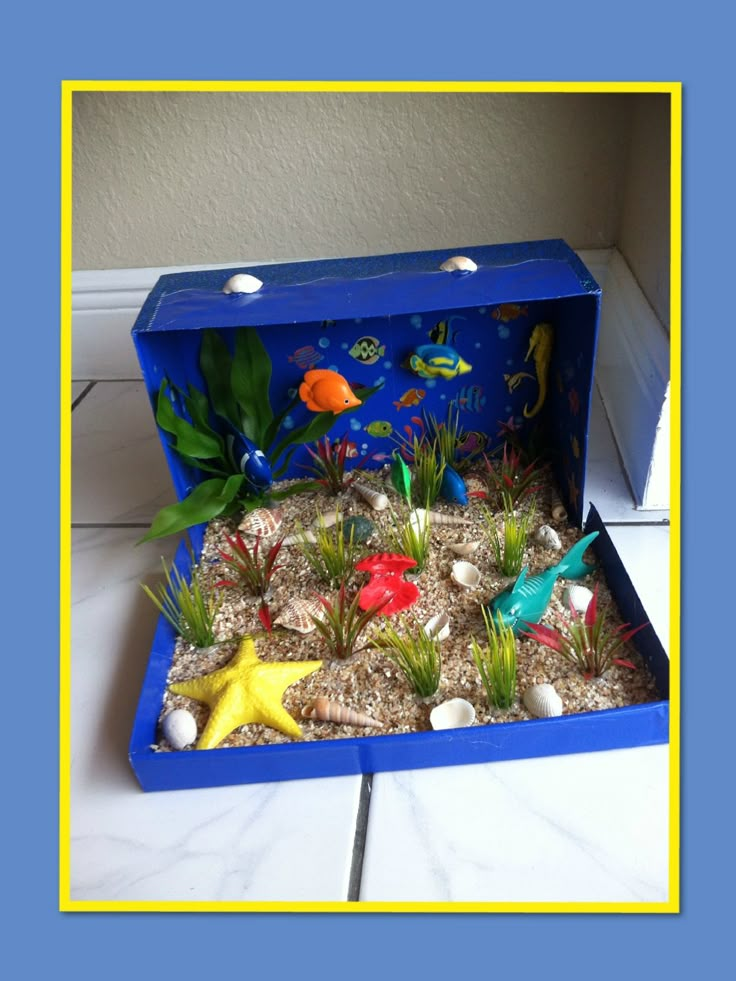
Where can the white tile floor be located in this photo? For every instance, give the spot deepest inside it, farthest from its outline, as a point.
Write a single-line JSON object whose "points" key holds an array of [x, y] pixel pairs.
{"points": [[590, 827]]}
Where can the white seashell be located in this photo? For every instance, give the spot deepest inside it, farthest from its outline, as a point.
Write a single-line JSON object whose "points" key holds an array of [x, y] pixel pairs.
{"points": [[463, 548], [299, 538], [242, 283], [453, 714], [466, 575], [578, 597], [326, 520], [326, 711], [558, 510], [179, 728], [542, 701], [438, 627], [548, 537], [418, 519], [262, 521], [297, 615], [458, 263], [378, 501], [440, 518]]}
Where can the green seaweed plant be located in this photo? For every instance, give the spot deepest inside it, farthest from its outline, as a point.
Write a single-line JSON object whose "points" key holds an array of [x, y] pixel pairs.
{"points": [[408, 533], [415, 652], [333, 554], [444, 437], [509, 551], [190, 610], [201, 427], [496, 662]]}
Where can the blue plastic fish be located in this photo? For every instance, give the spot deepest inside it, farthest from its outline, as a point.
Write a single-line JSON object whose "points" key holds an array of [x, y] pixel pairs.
{"points": [[453, 487], [527, 600], [437, 360], [251, 461]]}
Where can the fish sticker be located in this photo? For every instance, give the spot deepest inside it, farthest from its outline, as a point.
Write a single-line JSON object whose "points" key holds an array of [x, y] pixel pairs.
{"points": [[306, 357], [575, 447], [442, 333], [573, 491], [327, 391], [471, 442], [379, 427], [471, 398], [352, 448], [540, 349], [513, 381], [367, 350], [437, 361], [412, 396], [509, 311], [574, 401]]}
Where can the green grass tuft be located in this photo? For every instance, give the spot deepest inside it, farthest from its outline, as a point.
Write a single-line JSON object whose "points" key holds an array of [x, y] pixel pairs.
{"points": [[332, 557], [189, 610], [496, 662], [509, 551], [415, 653]]}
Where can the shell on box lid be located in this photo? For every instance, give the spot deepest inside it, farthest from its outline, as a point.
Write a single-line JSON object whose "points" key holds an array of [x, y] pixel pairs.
{"points": [[453, 714], [326, 711], [262, 521], [299, 615], [542, 701], [242, 283], [548, 538], [577, 597], [458, 263]]}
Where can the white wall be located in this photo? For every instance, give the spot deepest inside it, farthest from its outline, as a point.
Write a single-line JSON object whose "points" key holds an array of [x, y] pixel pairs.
{"points": [[163, 179]]}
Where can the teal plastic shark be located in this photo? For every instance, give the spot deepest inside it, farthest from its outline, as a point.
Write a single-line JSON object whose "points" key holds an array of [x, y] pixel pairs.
{"points": [[526, 601]]}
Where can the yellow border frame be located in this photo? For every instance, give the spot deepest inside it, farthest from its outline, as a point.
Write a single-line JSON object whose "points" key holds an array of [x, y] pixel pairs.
{"points": [[68, 88]]}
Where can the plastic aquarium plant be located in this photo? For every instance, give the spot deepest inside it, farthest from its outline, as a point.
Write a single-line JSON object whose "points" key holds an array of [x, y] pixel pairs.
{"points": [[251, 569], [429, 469], [190, 610], [332, 556], [416, 653], [448, 436], [509, 551], [585, 642], [513, 481], [328, 464], [232, 432], [342, 623], [496, 662], [408, 533]]}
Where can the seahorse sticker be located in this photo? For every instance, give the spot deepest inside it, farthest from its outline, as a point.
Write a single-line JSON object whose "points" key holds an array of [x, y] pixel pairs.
{"points": [[540, 348]]}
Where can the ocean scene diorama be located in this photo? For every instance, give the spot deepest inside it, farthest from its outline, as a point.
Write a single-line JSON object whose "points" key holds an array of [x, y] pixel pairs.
{"points": [[382, 516]]}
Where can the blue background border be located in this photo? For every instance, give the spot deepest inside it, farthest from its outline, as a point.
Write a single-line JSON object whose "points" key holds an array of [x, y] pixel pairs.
{"points": [[632, 41]]}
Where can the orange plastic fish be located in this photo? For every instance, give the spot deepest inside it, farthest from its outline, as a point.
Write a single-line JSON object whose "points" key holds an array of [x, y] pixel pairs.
{"points": [[326, 391]]}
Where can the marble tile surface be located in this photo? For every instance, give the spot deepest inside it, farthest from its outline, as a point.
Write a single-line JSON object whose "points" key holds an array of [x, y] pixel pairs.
{"points": [[583, 828], [119, 470], [289, 841]]}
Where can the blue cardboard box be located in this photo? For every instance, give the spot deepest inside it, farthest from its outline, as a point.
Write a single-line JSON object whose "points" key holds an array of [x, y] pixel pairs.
{"points": [[363, 318]]}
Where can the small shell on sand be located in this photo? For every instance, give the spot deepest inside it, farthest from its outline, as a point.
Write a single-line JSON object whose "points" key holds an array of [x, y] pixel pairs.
{"points": [[299, 538], [558, 510], [453, 714], [464, 548], [326, 711], [578, 597], [377, 500], [326, 520], [547, 537], [440, 518], [242, 283], [298, 615], [458, 263], [466, 575], [179, 728], [262, 521], [438, 627], [542, 701]]}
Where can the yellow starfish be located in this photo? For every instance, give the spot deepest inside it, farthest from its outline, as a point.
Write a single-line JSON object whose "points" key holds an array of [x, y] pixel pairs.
{"points": [[246, 690]]}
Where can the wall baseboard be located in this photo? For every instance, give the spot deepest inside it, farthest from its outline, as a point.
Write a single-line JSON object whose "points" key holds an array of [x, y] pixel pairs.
{"points": [[632, 368]]}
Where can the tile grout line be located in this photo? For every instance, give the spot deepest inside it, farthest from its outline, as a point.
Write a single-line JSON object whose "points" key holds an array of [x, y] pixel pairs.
{"points": [[84, 394], [110, 524], [361, 830], [94, 381]]}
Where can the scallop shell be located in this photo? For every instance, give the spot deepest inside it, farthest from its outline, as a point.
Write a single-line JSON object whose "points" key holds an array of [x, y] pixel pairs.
{"points": [[542, 701], [299, 538], [548, 537], [298, 615], [327, 711], [453, 714], [440, 518], [458, 263], [578, 597], [377, 500], [438, 627], [463, 548], [179, 728], [466, 575], [262, 521], [242, 283]]}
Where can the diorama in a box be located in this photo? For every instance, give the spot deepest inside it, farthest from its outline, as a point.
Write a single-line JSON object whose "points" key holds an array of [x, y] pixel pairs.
{"points": [[380, 468]]}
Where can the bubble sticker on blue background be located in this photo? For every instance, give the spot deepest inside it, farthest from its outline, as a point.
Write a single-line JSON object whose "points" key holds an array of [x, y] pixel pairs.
{"points": [[380, 381], [292, 394], [355, 424], [288, 422], [507, 408], [503, 332], [333, 367], [477, 344], [482, 309], [388, 365], [430, 382], [509, 361], [443, 396], [358, 320], [416, 321], [344, 345], [364, 446]]}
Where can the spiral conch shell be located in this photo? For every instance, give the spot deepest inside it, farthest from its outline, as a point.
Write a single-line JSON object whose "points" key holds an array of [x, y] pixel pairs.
{"points": [[262, 521], [377, 500], [299, 614], [458, 263], [327, 711], [242, 283], [542, 701]]}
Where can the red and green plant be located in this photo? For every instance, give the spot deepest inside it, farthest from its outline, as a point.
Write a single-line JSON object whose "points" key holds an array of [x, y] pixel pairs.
{"points": [[342, 623], [585, 642], [252, 570], [511, 479], [329, 464]]}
